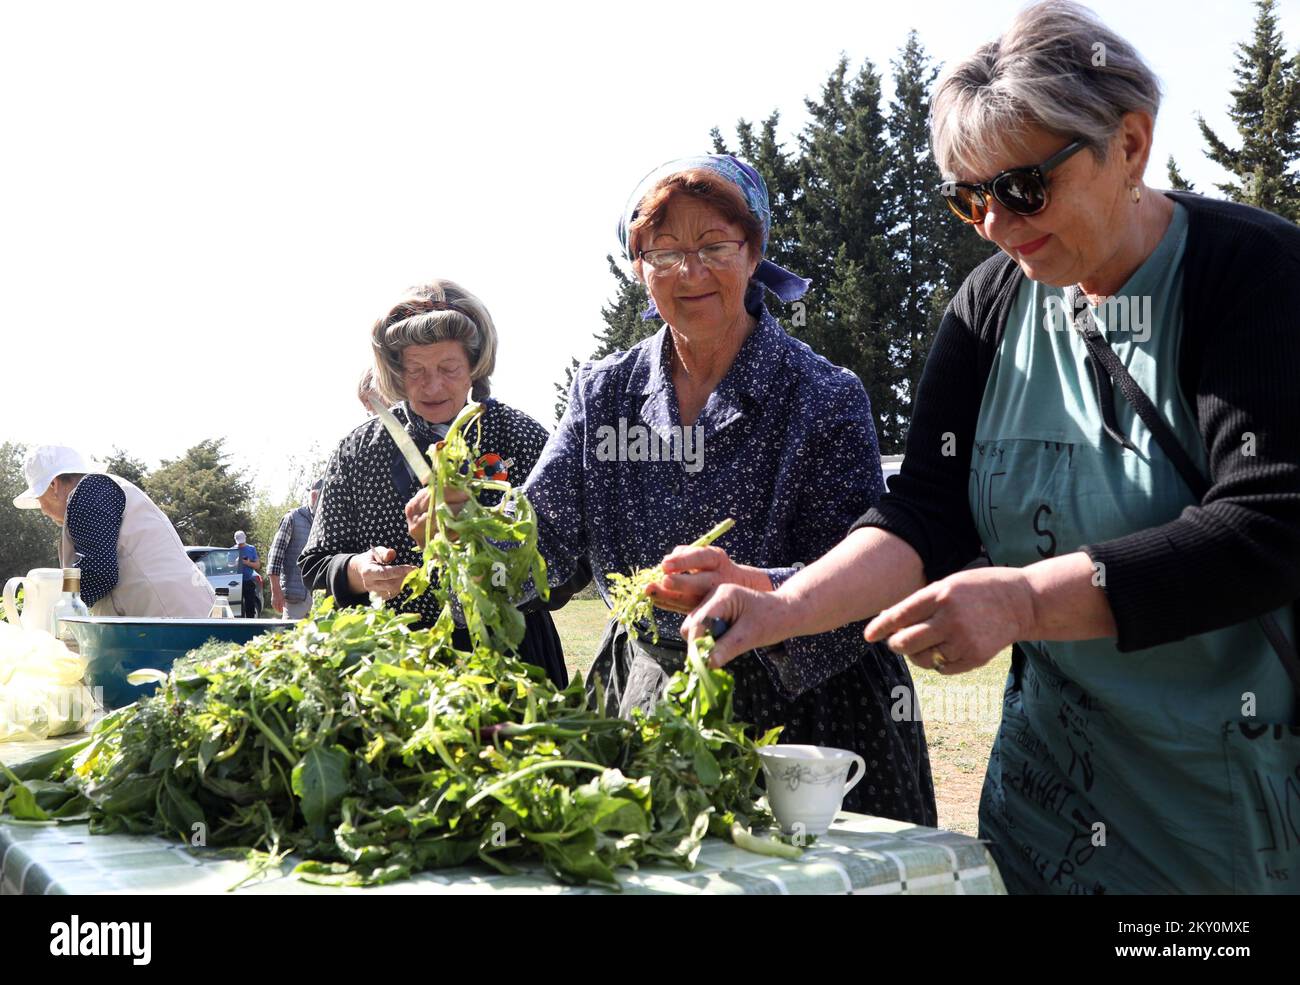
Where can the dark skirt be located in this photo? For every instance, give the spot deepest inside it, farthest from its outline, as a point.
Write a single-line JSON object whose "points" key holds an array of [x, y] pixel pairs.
{"points": [[849, 711], [540, 646]]}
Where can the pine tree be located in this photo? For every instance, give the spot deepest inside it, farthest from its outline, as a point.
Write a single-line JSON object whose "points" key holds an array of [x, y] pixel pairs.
{"points": [[1176, 180], [130, 468], [932, 251], [205, 498], [27, 539], [841, 223], [1266, 113], [781, 172], [624, 327]]}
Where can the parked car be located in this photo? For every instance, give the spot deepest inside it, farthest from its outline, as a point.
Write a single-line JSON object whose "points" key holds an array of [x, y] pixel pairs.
{"points": [[220, 565], [890, 466]]}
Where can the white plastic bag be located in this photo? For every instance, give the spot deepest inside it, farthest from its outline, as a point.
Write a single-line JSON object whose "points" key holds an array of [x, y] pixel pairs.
{"points": [[41, 689]]}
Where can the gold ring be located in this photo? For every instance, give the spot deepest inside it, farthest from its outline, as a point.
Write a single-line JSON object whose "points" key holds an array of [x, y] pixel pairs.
{"points": [[938, 659]]}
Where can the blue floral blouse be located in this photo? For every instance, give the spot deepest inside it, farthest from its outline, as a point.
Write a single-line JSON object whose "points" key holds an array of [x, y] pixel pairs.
{"points": [[785, 445]]}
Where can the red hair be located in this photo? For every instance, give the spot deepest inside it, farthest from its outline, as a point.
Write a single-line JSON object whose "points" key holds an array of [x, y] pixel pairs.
{"points": [[705, 187]]}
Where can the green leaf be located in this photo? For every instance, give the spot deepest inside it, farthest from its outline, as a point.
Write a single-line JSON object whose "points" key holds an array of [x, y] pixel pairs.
{"points": [[128, 795], [577, 861], [706, 766], [180, 810], [320, 780], [19, 800], [43, 767]]}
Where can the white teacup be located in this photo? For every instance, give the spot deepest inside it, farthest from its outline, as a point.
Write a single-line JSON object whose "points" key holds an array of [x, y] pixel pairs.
{"points": [[807, 784]]}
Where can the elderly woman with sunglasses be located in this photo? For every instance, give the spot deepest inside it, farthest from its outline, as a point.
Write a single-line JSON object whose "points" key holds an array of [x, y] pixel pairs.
{"points": [[722, 414], [1110, 412]]}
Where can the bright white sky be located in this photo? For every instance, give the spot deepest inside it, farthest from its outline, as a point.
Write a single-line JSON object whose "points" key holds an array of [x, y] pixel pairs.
{"points": [[206, 206]]}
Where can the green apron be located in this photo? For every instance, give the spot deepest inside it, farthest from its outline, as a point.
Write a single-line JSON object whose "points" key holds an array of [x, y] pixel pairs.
{"points": [[1145, 772]]}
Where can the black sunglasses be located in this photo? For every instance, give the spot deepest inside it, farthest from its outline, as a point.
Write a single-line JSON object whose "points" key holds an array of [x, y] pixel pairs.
{"points": [[1021, 190]]}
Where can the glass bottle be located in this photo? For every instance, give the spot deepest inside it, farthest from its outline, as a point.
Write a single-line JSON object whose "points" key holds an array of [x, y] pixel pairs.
{"points": [[221, 608], [67, 605]]}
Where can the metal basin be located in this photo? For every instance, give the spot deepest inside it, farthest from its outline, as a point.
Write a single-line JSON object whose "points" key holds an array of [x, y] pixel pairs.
{"points": [[116, 646]]}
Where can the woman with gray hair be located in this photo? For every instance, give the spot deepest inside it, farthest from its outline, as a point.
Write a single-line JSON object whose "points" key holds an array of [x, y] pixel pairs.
{"points": [[1109, 412], [433, 351]]}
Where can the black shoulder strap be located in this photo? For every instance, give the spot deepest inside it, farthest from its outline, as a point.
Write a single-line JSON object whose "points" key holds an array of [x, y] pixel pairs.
{"points": [[1105, 357]]}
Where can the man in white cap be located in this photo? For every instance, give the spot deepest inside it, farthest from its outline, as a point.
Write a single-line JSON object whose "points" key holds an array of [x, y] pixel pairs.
{"points": [[132, 561], [248, 565]]}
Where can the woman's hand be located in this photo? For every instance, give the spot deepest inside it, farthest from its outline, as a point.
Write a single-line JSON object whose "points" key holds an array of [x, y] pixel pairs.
{"points": [[960, 622], [375, 572], [417, 512], [691, 573], [754, 619]]}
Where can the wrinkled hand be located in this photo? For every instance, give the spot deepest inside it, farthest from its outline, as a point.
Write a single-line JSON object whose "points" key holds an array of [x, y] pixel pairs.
{"points": [[375, 572], [417, 512], [691, 573], [961, 622], [755, 619]]}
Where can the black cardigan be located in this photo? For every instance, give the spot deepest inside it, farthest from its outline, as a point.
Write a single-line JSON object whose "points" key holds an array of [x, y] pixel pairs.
{"points": [[1234, 556]]}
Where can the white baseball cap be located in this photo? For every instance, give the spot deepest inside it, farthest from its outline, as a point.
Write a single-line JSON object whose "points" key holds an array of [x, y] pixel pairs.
{"points": [[240, 537], [44, 464]]}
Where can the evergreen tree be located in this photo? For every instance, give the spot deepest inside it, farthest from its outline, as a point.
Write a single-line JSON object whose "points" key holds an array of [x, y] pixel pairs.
{"points": [[841, 221], [624, 327], [1266, 113], [781, 172], [123, 464], [27, 539], [1176, 180], [932, 252], [205, 499]]}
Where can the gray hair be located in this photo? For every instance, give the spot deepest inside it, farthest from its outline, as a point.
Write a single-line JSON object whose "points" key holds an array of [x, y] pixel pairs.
{"points": [[440, 311], [1058, 68]]}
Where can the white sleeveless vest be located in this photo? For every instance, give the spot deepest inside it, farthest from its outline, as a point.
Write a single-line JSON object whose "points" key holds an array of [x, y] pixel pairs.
{"points": [[155, 577]]}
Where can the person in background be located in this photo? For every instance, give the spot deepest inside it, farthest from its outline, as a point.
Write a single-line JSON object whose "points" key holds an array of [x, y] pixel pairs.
{"points": [[289, 595], [131, 559], [366, 389], [248, 565]]}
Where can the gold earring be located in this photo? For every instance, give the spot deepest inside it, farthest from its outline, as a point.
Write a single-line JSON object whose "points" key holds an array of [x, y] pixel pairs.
{"points": [[1135, 193]]}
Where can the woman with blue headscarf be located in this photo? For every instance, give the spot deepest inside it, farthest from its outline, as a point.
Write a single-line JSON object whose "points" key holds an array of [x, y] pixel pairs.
{"points": [[722, 414]]}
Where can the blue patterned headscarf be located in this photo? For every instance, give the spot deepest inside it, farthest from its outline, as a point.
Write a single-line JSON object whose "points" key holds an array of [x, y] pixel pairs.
{"points": [[785, 285]]}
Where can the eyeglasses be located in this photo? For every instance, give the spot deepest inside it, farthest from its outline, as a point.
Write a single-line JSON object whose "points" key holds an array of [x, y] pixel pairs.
{"points": [[1021, 190], [714, 255]]}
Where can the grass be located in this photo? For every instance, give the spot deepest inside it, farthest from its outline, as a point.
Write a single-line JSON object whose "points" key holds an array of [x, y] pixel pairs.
{"points": [[961, 713]]}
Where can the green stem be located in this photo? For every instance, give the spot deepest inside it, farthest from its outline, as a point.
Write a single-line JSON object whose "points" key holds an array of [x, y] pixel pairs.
{"points": [[719, 529], [526, 772], [225, 754], [266, 730], [763, 846]]}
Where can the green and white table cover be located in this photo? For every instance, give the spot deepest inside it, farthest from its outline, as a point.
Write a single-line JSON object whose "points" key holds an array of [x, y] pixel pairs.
{"points": [[859, 854]]}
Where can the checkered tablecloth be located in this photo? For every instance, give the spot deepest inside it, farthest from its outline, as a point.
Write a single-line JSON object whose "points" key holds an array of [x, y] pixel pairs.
{"points": [[859, 854]]}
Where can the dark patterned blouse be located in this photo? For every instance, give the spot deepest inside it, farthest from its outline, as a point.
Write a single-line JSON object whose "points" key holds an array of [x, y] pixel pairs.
{"points": [[785, 445], [362, 505]]}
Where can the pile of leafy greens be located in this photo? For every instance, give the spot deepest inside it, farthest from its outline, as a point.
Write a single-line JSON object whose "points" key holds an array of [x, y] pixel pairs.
{"points": [[372, 750], [631, 604]]}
